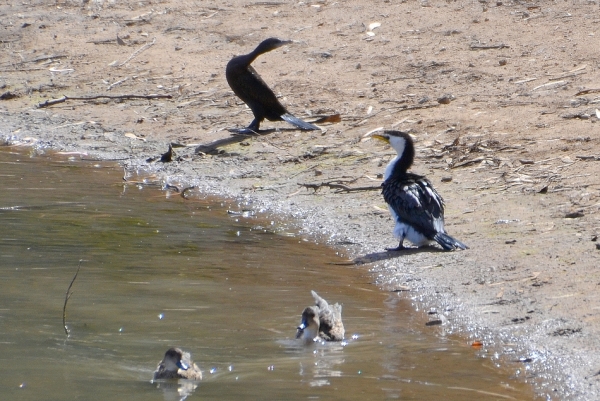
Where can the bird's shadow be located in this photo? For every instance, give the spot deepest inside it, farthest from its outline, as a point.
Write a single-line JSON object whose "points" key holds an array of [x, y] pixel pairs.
{"points": [[238, 135], [385, 255]]}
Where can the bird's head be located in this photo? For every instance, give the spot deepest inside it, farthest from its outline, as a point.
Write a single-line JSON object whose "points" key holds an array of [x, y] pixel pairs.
{"points": [[402, 144], [397, 139], [271, 44], [176, 359], [309, 327]]}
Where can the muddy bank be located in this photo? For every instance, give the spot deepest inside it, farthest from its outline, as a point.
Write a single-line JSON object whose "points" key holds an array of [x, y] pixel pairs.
{"points": [[515, 153]]}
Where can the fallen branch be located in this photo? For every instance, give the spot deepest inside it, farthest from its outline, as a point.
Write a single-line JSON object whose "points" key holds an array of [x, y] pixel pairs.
{"points": [[339, 187], [551, 85], [266, 3], [468, 162], [137, 52], [63, 99], [486, 47], [398, 108], [595, 158], [569, 75], [587, 91], [40, 58], [67, 296], [117, 83], [582, 115], [103, 42]]}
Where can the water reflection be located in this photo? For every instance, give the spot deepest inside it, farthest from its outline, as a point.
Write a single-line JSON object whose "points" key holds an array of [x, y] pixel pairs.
{"points": [[175, 272]]}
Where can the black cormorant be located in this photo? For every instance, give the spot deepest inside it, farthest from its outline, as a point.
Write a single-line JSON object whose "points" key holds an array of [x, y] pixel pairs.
{"points": [[249, 86], [321, 322], [415, 205]]}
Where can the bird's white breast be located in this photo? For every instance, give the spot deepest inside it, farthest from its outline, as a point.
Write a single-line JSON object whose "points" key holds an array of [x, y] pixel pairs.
{"points": [[390, 168]]}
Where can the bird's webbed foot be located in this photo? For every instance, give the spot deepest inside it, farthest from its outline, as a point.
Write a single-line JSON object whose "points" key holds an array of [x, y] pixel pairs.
{"points": [[252, 129], [400, 247], [244, 131]]}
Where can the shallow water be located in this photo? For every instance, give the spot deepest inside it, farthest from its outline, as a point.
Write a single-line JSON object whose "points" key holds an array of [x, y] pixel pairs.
{"points": [[162, 271]]}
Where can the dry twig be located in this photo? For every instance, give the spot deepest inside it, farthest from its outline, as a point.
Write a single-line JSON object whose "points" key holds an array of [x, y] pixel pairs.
{"points": [[137, 52], [339, 187], [587, 91], [67, 296], [486, 47], [63, 99], [398, 108]]}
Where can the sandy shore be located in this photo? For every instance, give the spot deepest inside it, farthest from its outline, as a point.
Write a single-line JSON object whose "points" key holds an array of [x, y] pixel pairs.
{"points": [[515, 153]]}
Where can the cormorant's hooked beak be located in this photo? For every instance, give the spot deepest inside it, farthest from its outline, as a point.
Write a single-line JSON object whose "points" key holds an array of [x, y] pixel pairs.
{"points": [[383, 138], [283, 43]]}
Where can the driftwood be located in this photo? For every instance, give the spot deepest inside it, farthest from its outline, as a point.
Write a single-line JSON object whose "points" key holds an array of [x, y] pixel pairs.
{"points": [[468, 162], [63, 99], [67, 296], [486, 47], [43, 58], [587, 91], [395, 109], [339, 187], [137, 53], [594, 158], [265, 3]]}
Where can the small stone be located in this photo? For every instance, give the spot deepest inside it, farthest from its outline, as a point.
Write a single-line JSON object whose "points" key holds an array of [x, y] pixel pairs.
{"points": [[8, 96], [446, 99]]}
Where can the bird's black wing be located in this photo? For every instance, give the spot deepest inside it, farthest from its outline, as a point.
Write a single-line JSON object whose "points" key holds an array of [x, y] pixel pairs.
{"points": [[416, 202], [250, 87]]}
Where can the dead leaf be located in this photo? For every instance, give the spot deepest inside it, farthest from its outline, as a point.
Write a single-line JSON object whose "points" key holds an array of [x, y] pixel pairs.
{"points": [[334, 118], [133, 136]]}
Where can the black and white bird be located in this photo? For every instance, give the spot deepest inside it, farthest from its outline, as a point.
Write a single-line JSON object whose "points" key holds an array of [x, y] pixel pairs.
{"points": [[415, 205], [250, 87]]}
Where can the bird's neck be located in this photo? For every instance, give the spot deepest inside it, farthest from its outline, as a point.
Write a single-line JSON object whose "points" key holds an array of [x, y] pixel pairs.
{"points": [[399, 166], [249, 58]]}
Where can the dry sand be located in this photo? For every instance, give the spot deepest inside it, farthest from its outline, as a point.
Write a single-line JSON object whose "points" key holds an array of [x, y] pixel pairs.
{"points": [[514, 149]]}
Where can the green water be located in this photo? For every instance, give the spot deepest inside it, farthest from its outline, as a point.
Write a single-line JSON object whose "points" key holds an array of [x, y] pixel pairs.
{"points": [[160, 271]]}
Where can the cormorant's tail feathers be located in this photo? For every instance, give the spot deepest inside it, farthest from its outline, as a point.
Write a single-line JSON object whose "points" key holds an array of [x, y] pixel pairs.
{"points": [[449, 243], [298, 122]]}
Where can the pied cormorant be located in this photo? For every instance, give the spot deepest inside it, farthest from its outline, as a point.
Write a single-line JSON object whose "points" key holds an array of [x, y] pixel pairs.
{"points": [[415, 205], [321, 322], [249, 86]]}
